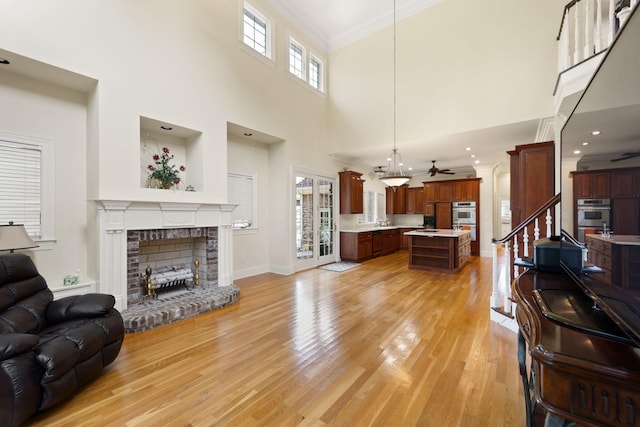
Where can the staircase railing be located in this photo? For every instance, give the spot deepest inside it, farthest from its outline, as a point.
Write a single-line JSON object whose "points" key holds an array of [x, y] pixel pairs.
{"points": [[504, 269], [587, 28]]}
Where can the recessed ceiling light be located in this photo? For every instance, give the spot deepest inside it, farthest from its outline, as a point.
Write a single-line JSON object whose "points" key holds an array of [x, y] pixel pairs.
{"points": [[585, 143], [410, 168], [472, 156], [166, 127], [476, 162], [468, 148], [4, 61], [576, 152], [595, 132]]}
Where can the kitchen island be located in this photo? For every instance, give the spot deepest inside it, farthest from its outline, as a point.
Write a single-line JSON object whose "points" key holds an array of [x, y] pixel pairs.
{"points": [[439, 250], [618, 257]]}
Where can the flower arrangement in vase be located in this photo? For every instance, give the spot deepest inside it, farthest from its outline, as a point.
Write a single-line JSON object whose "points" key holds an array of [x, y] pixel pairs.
{"points": [[163, 172]]}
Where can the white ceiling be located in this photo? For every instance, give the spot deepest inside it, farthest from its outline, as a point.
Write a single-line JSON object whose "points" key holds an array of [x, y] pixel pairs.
{"points": [[336, 23]]}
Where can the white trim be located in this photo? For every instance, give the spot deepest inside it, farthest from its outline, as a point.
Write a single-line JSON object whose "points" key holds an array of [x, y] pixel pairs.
{"points": [[270, 56], [47, 182]]}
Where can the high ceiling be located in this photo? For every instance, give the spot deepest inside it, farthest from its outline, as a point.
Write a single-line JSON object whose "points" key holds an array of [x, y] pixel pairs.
{"points": [[340, 22]]}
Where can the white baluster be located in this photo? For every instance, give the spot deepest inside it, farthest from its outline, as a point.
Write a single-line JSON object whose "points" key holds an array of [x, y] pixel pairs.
{"points": [[495, 291], [525, 240], [612, 21], [549, 221], [577, 32], [588, 28], [564, 55], [598, 34], [516, 269], [536, 230], [506, 294]]}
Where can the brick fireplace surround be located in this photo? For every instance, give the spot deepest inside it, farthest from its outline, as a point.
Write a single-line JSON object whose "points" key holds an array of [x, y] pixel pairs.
{"points": [[122, 225]]}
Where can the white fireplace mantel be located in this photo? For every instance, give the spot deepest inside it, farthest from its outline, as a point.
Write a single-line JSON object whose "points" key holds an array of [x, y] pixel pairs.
{"points": [[116, 217]]}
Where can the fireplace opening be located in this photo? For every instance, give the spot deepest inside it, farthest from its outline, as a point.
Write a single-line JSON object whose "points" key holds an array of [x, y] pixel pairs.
{"points": [[175, 257]]}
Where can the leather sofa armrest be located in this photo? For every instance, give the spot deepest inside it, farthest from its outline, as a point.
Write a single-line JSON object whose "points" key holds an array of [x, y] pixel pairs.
{"points": [[14, 344], [79, 306]]}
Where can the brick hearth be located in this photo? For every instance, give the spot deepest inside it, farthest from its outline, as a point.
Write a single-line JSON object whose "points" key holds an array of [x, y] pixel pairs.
{"points": [[175, 306]]}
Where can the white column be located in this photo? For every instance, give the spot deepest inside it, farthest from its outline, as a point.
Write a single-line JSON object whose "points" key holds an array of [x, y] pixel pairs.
{"points": [[112, 251], [225, 257]]}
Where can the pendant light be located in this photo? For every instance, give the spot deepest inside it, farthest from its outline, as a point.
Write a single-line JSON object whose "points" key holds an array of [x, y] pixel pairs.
{"points": [[395, 176]]}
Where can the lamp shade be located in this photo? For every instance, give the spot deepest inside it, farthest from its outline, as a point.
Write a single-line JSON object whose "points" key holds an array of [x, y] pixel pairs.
{"points": [[395, 180], [14, 236]]}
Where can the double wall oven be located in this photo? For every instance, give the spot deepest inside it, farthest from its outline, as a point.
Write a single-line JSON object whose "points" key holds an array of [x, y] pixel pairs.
{"points": [[593, 215], [464, 215]]}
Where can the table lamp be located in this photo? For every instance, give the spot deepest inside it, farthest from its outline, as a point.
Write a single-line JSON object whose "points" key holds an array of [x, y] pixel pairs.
{"points": [[14, 236]]}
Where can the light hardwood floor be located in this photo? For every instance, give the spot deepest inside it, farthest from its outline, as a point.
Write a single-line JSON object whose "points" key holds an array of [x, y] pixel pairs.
{"points": [[378, 345]]}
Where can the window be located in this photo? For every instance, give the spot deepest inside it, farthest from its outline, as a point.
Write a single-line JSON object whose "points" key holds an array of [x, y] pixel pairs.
{"points": [[374, 208], [315, 73], [296, 59], [242, 192], [256, 31], [26, 184]]}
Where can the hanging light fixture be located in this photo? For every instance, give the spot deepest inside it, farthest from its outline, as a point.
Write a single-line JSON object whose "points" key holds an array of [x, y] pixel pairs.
{"points": [[394, 176]]}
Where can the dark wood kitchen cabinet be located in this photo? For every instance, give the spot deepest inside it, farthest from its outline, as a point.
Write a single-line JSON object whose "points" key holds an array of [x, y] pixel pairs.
{"points": [[396, 200], [625, 183], [588, 185], [415, 200], [390, 241], [466, 190], [351, 192], [625, 218], [443, 215], [356, 247]]}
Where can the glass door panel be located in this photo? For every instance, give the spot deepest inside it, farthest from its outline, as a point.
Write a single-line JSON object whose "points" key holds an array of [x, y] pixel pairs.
{"points": [[315, 221]]}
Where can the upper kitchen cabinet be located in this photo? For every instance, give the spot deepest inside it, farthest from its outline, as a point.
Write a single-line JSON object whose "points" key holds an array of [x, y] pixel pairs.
{"points": [[351, 192], [396, 200], [445, 192], [466, 190], [415, 200], [591, 185], [625, 183]]}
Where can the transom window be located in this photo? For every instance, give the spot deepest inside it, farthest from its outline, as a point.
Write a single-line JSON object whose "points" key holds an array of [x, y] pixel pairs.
{"points": [[315, 73], [256, 31], [296, 59]]}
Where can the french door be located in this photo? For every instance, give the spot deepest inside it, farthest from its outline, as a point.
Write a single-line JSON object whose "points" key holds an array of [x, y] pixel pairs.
{"points": [[315, 220]]}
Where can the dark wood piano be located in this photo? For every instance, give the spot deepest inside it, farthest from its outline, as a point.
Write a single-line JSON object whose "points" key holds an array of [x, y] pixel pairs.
{"points": [[578, 361]]}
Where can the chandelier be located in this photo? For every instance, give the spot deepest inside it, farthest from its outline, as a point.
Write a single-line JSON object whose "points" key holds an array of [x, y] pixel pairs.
{"points": [[394, 176]]}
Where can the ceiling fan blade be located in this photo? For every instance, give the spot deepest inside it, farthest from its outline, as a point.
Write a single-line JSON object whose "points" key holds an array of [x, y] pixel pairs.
{"points": [[446, 172], [626, 156]]}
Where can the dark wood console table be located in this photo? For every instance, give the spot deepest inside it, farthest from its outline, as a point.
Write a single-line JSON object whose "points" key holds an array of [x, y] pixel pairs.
{"points": [[589, 377]]}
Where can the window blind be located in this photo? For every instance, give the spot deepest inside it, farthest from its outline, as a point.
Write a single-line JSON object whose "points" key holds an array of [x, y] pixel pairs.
{"points": [[241, 193], [20, 183]]}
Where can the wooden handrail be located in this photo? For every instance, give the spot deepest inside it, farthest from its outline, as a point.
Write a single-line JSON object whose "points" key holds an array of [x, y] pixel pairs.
{"points": [[552, 202]]}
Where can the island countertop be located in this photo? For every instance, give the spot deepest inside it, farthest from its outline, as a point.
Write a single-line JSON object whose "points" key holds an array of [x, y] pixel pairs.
{"points": [[631, 240], [438, 233]]}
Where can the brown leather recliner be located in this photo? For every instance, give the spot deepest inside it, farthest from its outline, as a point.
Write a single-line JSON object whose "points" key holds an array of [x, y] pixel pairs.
{"points": [[49, 348]]}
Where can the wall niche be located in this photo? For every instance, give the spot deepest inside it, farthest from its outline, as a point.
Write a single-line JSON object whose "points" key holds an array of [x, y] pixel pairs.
{"points": [[183, 143]]}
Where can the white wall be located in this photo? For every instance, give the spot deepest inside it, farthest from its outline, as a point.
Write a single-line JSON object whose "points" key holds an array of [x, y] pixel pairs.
{"points": [[463, 65], [33, 108], [251, 247]]}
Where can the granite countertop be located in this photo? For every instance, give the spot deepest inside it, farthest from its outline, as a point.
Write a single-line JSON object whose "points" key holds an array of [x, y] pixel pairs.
{"points": [[364, 229], [438, 233], [630, 240]]}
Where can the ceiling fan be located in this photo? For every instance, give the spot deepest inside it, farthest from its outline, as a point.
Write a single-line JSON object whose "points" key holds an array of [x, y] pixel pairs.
{"points": [[434, 170], [626, 156]]}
